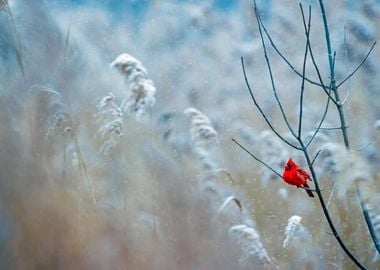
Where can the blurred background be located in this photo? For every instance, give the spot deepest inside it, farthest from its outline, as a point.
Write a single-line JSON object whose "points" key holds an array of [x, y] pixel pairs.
{"points": [[85, 184]]}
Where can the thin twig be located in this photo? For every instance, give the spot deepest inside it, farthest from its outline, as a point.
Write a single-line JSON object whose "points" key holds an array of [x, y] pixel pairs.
{"points": [[315, 157], [269, 67], [326, 89], [332, 128], [359, 66], [256, 158], [307, 33], [363, 147], [260, 110], [321, 121], [306, 27]]}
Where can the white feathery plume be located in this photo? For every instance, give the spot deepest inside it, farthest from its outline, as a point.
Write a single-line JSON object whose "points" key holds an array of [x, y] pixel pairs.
{"points": [[203, 135], [53, 114], [201, 130], [251, 246], [141, 91], [110, 119], [292, 230]]}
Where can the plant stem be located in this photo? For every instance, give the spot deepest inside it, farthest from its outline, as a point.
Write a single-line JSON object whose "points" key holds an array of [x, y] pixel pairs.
{"points": [[92, 193]]}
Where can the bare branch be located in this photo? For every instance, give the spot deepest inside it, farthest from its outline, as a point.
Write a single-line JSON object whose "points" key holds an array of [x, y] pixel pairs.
{"points": [[344, 131], [284, 58], [315, 157], [358, 67], [256, 158], [363, 147], [332, 128], [307, 33], [320, 122]]}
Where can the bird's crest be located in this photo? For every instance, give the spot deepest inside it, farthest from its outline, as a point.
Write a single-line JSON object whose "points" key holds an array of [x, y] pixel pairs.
{"points": [[291, 163]]}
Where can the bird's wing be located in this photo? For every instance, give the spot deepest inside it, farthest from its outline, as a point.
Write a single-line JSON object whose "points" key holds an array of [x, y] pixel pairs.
{"points": [[303, 173]]}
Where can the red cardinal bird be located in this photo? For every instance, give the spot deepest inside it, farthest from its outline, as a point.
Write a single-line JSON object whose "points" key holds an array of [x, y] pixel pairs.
{"points": [[294, 175]]}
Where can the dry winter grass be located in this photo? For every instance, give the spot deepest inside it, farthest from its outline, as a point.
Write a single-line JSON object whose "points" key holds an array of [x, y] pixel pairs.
{"points": [[132, 166]]}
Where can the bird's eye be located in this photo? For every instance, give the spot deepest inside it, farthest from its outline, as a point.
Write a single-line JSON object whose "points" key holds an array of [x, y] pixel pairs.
{"points": [[287, 167]]}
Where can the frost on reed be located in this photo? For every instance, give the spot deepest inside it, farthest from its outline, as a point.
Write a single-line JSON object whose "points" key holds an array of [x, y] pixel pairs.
{"points": [[110, 119], [293, 230], [51, 113], [203, 136], [228, 207], [253, 251], [140, 89], [201, 131]]}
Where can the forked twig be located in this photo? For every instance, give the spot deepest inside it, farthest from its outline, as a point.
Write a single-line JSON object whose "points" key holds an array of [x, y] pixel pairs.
{"points": [[339, 106], [283, 57], [316, 156], [269, 67], [260, 109]]}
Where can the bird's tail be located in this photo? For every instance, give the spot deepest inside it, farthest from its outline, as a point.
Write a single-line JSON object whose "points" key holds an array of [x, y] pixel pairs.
{"points": [[309, 192]]}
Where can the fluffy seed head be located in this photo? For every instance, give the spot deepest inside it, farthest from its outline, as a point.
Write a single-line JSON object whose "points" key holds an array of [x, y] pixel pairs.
{"points": [[52, 113], [140, 89], [292, 230], [110, 119], [201, 130]]}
